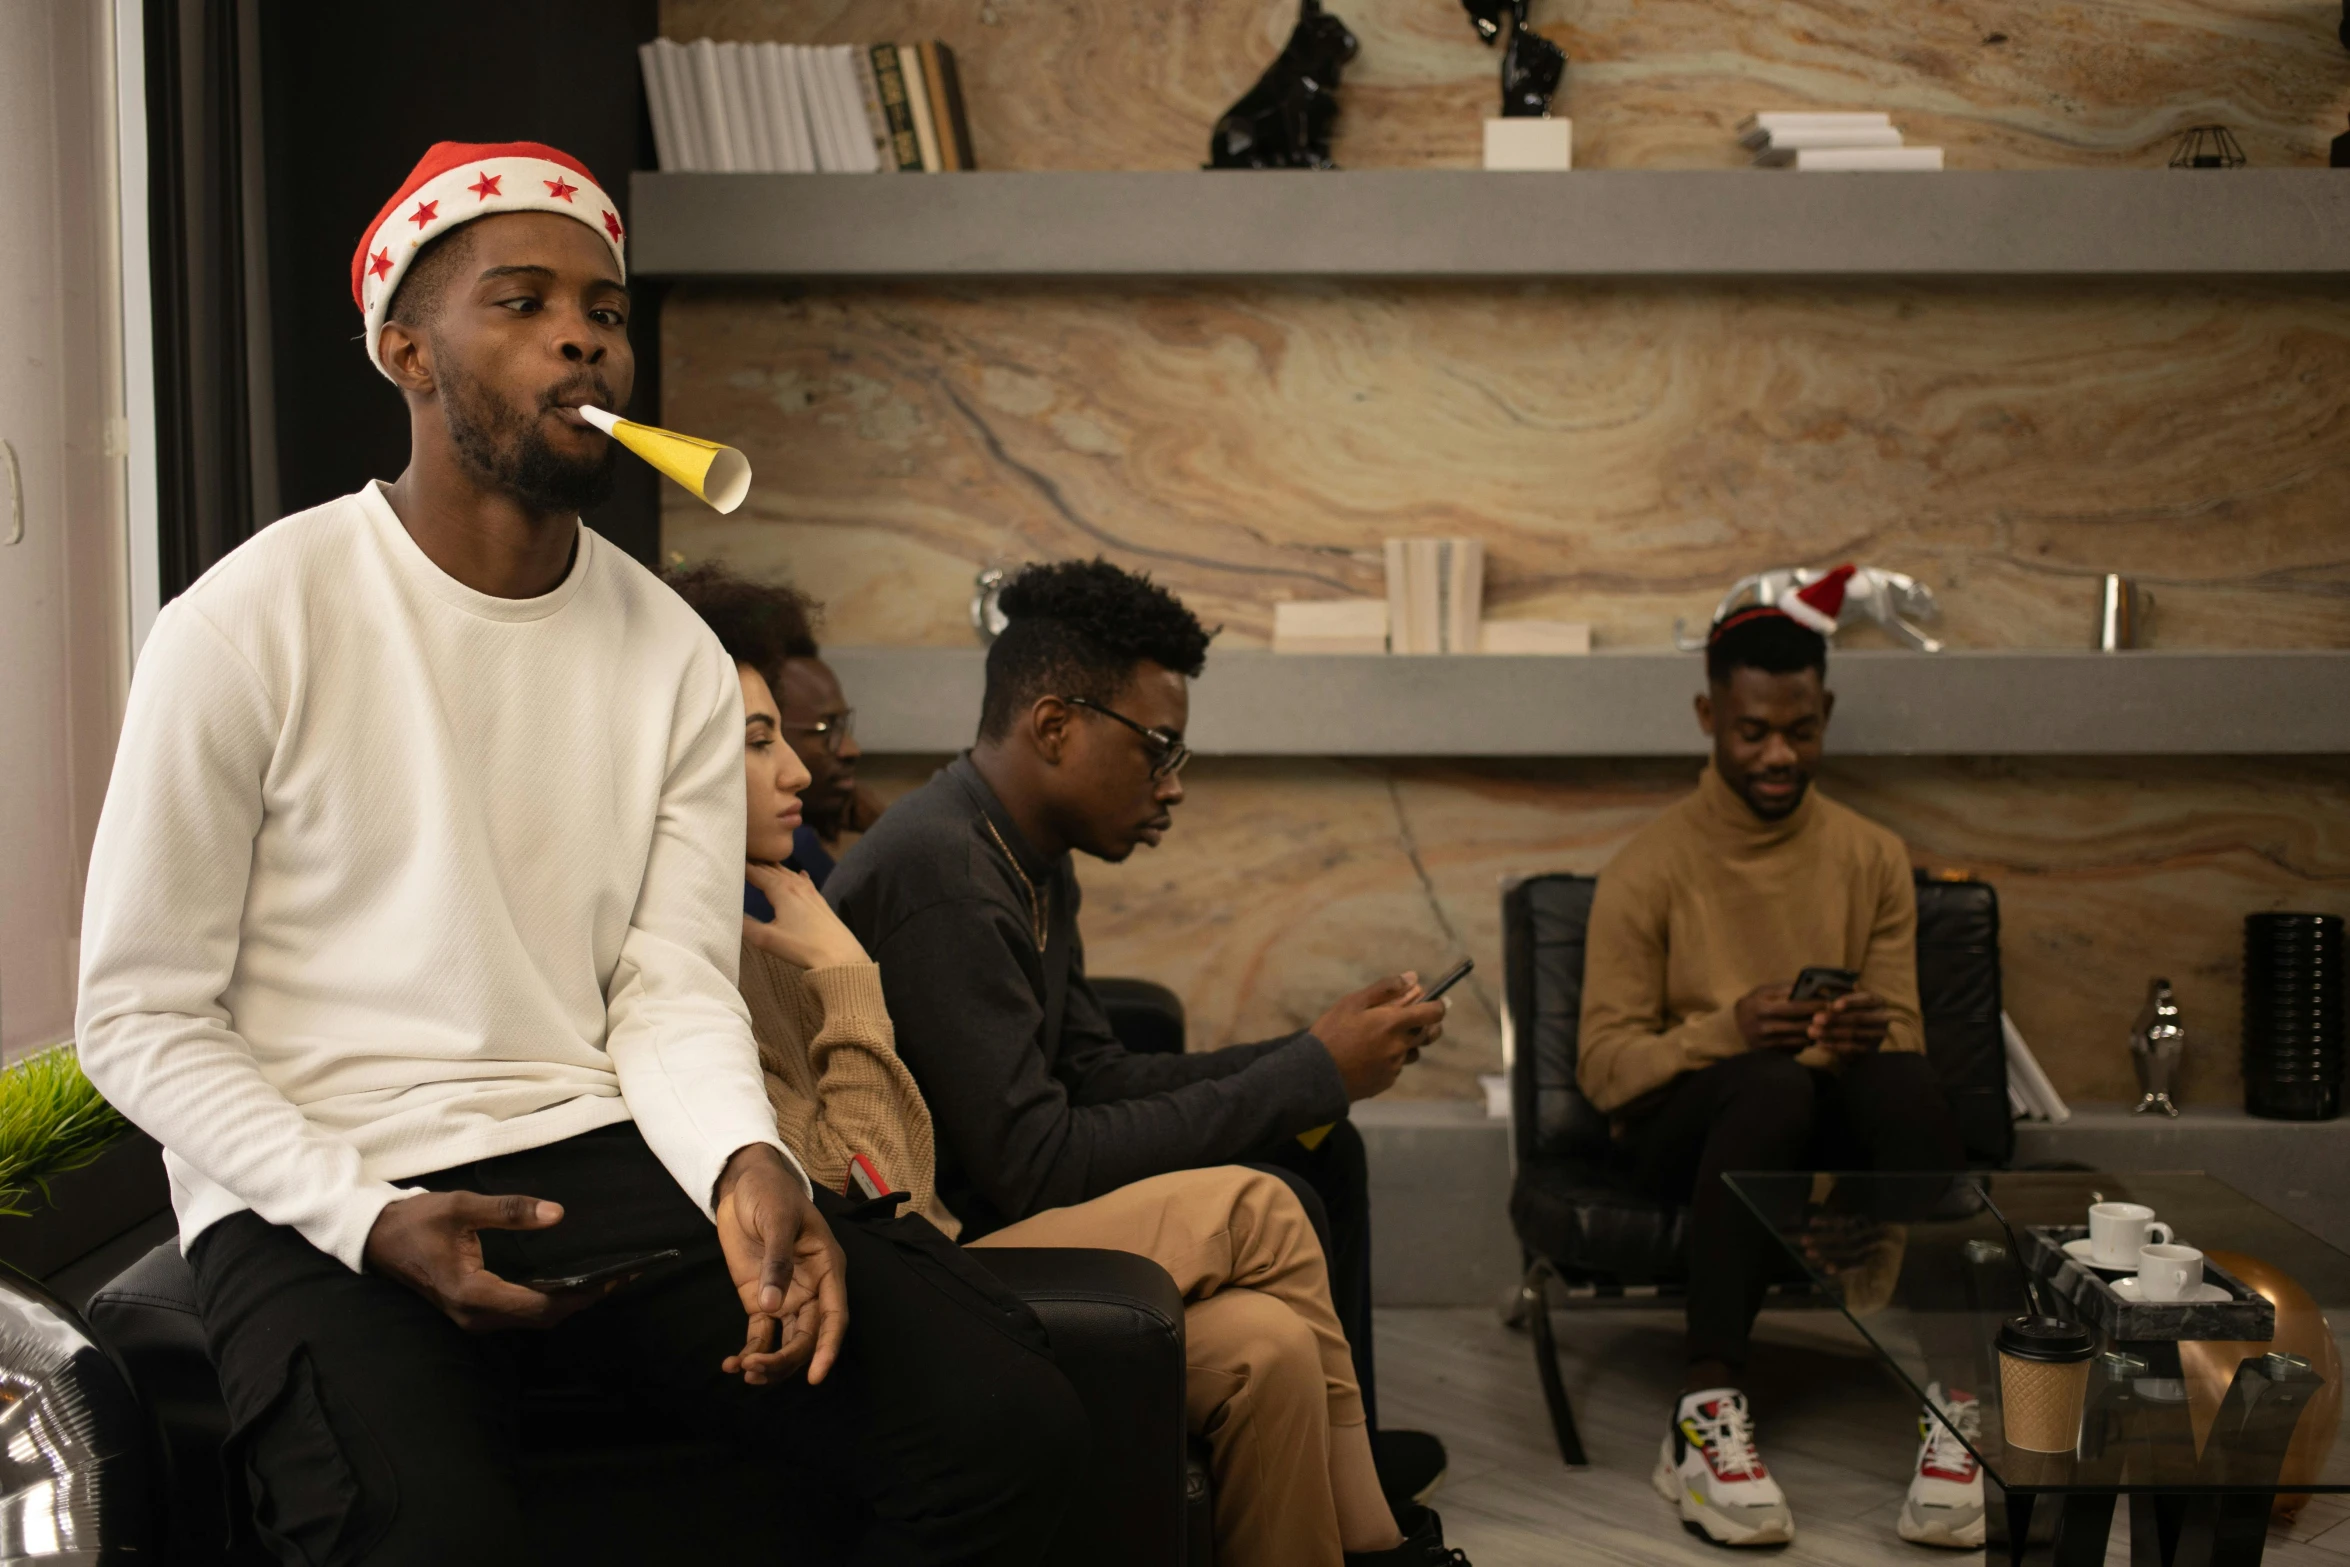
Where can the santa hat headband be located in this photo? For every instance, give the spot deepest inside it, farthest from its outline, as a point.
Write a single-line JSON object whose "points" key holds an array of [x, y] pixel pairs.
{"points": [[456, 182], [1815, 607]]}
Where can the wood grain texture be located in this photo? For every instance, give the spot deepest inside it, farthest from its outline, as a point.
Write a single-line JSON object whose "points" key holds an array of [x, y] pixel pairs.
{"points": [[1106, 84], [1625, 450], [1287, 883]]}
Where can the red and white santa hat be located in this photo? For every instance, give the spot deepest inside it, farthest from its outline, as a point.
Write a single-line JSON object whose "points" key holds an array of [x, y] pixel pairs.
{"points": [[1816, 606], [456, 182]]}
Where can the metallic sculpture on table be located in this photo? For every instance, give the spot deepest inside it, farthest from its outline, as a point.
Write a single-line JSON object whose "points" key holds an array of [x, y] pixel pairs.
{"points": [[1284, 121], [2157, 1040], [1889, 598], [1531, 67]]}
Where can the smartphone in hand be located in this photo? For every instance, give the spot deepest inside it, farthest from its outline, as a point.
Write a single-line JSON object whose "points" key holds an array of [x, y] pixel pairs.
{"points": [[589, 1278], [1452, 976], [1824, 984]]}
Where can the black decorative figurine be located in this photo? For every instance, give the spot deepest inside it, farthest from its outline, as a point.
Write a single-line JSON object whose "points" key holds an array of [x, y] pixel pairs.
{"points": [[1532, 66], [1284, 121], [2341, 157], [2207, 147]]}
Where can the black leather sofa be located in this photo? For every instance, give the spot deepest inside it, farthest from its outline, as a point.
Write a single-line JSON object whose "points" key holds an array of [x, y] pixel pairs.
{"points": [[1578, 1219], [605, 1485]]}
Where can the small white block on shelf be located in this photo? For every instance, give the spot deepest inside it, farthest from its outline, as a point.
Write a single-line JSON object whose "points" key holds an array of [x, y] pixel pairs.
{"points": [[1330, 626], [1526, 637], [1530, 144]]}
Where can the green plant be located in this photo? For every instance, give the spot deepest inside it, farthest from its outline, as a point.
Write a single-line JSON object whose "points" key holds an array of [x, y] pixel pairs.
{"points": [[52, 1119]]}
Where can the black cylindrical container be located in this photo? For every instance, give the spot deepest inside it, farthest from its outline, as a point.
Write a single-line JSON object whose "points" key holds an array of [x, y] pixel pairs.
{"points": [[2293, 1000]]}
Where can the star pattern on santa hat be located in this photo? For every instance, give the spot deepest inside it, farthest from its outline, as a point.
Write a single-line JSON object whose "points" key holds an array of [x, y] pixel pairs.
{"points": [[612, 226], [486, 186], [425, 212], [559, 187], [380, 264]]}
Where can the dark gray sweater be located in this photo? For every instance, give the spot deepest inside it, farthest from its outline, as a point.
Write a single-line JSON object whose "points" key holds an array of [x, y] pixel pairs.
{"points": [[1035, 1102]]}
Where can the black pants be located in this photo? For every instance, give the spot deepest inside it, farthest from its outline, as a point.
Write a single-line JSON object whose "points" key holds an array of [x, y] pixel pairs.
{"points": [[373, 1429], [1764, 1111], [1333, 1182]]}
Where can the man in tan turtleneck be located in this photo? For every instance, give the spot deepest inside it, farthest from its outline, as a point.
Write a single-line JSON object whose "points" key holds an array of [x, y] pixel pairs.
{"points": [[1693, 1044]]}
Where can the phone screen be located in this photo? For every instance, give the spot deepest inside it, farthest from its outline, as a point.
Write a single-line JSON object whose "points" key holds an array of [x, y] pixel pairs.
{"points": [[1453, 976], [1824, 984]]}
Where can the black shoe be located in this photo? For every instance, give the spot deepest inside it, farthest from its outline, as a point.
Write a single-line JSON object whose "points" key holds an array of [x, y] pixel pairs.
{"points": [[1411, 1467], [1423, 1542]]}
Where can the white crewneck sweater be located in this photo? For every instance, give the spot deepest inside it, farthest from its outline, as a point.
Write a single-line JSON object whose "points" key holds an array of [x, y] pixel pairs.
{"points": [[394, 876]]}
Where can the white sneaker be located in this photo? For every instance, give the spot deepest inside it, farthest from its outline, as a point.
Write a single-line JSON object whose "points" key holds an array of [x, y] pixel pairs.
{"points": [[1945, 1503], [1711, 1471]]}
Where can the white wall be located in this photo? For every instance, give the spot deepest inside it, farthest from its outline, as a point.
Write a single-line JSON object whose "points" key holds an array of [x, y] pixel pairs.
{"points": [[63, 621]]}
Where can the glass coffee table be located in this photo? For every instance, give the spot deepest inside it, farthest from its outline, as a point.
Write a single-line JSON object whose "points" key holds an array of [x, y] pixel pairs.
{"points": [[2200, 1434]]}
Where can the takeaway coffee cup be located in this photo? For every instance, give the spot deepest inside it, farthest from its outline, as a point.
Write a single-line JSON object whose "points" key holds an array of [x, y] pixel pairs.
{"points": [[2043, 1378], [2118, 1229], [2167, 1272]]}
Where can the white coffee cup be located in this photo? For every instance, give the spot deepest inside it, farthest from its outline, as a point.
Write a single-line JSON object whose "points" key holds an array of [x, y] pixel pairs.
{"points": [[2117, 1231], [2168, 1272]]}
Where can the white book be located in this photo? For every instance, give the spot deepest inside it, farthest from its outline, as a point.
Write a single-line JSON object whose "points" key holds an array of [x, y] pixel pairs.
{"points": [[814, 102], [766, 121], [876, 118], [791, 115], [1816, 160], [1460, 594], [657, 105], [855, 132], [1801, 136], [2025, 1079], [685, 105], [745, 125], [918, 100], [1782, 119], [1330, 626], [717, 144], [1536, 638]]}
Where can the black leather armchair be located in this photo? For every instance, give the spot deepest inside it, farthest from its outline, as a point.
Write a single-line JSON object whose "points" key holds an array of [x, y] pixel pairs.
{"points": [[604, 1485], [1578, 1218]]}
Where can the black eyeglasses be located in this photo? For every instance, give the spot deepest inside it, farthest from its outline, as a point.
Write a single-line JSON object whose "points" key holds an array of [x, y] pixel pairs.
{"points": [[1168, 752], [832, 732]]}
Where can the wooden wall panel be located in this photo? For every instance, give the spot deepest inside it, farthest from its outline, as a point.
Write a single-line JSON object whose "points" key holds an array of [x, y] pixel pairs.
{"points": [[1653, 84]]}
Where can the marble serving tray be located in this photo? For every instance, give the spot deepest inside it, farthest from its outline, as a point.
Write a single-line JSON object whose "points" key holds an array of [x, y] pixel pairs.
{"points": [[2245, 1317]]}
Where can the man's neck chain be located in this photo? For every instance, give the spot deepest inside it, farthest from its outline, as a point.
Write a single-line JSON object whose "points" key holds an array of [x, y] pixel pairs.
{"points": [[1035, 898]]}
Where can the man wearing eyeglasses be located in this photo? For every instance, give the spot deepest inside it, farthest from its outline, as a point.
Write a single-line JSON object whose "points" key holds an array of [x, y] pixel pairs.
{"points": [[966, 894], [821, 727]]}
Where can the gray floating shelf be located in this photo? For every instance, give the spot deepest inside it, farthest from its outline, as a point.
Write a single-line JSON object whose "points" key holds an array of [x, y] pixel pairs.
{"points": [[1468, 223], [926, 701]]}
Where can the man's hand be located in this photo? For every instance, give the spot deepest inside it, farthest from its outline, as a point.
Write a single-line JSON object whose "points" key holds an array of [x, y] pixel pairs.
{"points": [[1853, 1024], [1768, 1020], [432, 1243], [787, 1270], [1374, 1033]]}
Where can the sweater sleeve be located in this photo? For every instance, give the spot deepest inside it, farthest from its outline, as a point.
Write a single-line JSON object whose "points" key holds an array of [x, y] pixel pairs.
{"points": [[1627, 1046], [865, 1100], [968, 1025], [161, 924], [678, 1033], [1891, 968]]}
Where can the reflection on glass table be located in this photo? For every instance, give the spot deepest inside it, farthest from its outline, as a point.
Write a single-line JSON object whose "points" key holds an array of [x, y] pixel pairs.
{"points": [[2209, 1411]]}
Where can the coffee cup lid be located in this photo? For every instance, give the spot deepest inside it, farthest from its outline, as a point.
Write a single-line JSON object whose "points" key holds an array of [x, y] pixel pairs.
{"points": [[2045, 1338]]}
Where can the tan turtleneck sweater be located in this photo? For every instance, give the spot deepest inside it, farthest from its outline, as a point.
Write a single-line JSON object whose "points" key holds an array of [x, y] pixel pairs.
{"points": [[1708, 902], [834, 1078]]}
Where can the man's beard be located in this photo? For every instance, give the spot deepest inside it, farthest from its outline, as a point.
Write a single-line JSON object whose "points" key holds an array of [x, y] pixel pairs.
{"points": [[508, 449], [1775, 812]]}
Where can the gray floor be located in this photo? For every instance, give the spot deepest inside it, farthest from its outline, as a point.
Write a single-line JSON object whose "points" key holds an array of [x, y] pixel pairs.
{"points": [[1838, 1432]]}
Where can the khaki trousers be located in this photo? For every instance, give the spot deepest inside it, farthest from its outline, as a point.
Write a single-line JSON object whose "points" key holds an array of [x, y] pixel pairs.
{"points": [[1269, 1371]]}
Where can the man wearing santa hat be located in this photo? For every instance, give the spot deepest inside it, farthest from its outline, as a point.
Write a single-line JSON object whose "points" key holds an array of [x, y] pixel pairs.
{"points": [[411, 934], [1695, 1046]]}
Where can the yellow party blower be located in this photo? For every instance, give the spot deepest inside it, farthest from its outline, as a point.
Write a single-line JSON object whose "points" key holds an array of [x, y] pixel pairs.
{"points": [[718, 474]]}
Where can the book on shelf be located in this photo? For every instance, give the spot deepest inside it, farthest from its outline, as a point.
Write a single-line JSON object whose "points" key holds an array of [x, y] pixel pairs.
{"points": [[1799, 137], [1766, 121], [1536, 638], [1330, 626], [771, 108], [1435, 595], [1815, 160]]}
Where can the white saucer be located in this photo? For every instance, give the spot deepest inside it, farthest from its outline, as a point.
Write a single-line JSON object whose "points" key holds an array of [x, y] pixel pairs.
{"points": [[2078, 1250], [2127, 1289]]}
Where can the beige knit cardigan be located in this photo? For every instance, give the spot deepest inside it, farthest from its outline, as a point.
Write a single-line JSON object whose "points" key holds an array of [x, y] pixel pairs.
{"points": [[834, 1078]]}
